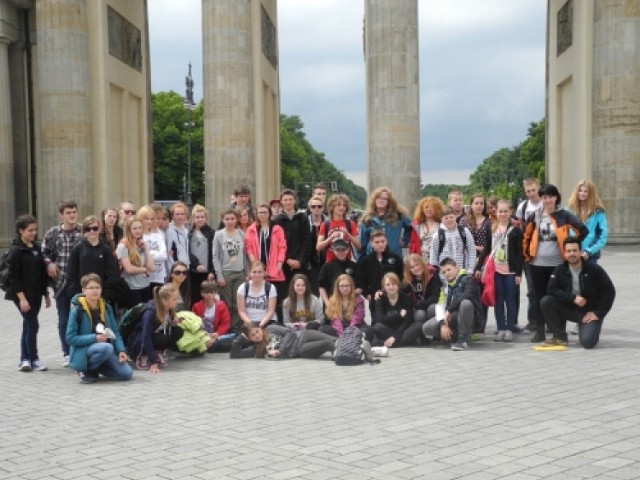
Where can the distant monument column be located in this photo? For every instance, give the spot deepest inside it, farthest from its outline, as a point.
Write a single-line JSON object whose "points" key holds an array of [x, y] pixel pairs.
{"points": [[593, 107], [65, 163], [241, 106], [7, 214], [393, 97], [615, 141]]}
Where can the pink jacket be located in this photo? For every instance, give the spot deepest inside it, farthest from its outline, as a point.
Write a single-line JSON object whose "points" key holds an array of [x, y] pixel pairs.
{"points": [[357, 318], [277, 250]]}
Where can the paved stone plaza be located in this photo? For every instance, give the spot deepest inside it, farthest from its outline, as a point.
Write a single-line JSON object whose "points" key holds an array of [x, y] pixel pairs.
{"points": [[497, 411]]}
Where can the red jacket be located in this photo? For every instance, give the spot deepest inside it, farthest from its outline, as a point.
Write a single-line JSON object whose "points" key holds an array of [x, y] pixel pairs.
{"points": [[277, 250], [222, 320]]}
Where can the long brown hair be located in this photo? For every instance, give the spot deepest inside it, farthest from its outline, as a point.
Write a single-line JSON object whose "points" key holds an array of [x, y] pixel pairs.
{"points": [[131, 243], [407, 276], [334, 309], [185, 287], [391, 214], [293, 297], [471, 216], [261, 346], [593, 202]]}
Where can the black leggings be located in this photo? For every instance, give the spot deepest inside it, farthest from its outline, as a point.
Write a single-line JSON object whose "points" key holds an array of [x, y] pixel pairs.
{"points": [[540, 277]]}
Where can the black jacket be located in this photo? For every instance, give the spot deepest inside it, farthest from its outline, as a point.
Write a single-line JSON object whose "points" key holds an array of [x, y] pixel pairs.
{"points": [[298, 236], [27, 271], [371, 270], [465, 287], [426, 295], [389, 315], [329, 273], [86, 258], [595, 286], [514, 250]]}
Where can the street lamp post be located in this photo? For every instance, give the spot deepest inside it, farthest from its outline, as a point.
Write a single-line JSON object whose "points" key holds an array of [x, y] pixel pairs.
{"points": [[189, 105]]}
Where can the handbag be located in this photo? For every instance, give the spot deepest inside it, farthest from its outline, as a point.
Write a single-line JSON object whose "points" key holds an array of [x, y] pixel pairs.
{"points": [[488, 296]]}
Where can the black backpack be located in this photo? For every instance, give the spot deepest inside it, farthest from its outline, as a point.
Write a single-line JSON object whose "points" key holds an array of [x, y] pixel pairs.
{"points": [[441, 240], [267, 289], [5, 284], [130, 320]]}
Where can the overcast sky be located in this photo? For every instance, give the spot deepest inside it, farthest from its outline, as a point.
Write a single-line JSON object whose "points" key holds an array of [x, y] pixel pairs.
{"points": [[481, 75]]}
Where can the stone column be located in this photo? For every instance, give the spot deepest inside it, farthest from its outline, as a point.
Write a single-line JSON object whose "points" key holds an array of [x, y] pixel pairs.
{"points": [[616, 115], [229, 110], [64, 167], [393, 97], [7, 213]]}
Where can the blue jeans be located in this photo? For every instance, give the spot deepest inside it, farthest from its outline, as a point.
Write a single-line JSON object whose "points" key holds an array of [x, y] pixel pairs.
{"points": [[30, 327], [102, 359], [63, 306], [505, 295]]}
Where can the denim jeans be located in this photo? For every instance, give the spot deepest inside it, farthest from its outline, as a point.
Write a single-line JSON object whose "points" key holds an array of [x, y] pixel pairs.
{"points": [[30, 327], [505, 295], [102, 359], [63, 306]]}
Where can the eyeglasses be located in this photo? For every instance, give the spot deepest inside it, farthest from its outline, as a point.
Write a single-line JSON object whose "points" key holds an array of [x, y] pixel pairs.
{"points": [[179, 272], [129, 212], [263, 213], [92, 229], [315, 206]]}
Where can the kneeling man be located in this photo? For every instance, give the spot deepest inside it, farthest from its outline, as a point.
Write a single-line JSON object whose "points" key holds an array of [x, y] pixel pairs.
{"points": [[580, 292]]}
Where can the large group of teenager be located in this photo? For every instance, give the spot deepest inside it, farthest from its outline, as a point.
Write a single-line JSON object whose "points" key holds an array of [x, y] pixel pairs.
{"points": [[278, 280]]}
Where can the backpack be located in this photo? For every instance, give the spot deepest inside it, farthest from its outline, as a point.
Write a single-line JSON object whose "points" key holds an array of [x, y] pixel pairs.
{"points": [[130, 320], [352, 348], [463, 236], [5, 284], [267, 289]]}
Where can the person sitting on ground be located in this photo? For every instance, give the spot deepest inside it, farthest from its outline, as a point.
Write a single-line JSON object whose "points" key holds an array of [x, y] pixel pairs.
{"points": [[179, 277], [256, 299], [216, 320], [461, 308], [423, 285], [393, 315], [346, 309], [280, 342], [302, 309], [580, 291], [96, 347]]}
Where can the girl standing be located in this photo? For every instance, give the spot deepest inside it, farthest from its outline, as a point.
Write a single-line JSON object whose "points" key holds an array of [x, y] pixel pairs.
{"points": [[27, 287], [585, 203], [230, 262], [478, 223], [426, 221], [384, 213], [156, 244], [110, 233], [200, 250], [505, 247], [177, 235], [135, 260]]}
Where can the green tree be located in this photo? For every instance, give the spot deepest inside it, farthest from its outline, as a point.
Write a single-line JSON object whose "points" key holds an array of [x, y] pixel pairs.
{"points": [[170, 147]]}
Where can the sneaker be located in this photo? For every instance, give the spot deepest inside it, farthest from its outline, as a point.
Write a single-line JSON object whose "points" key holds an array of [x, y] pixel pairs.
{"points": [[517, 329], [65, 361], [499, 336], [25, 366], [160, 359], [529, 328], [38, 366], [575, 330], [508, 336], [142, 362], [459, 345], [554, 342], [87, 378], [380, 351]]}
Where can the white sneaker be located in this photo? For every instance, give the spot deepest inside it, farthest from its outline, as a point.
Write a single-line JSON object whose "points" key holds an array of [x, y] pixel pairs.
{"points": [[508, 336], [380, 351], [65, 361], [38, 366], [575, 330], [499, 336], [25, 366]]}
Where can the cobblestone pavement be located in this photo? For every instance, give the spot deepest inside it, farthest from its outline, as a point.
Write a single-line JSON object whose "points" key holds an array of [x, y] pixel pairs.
{"points": [[496, 411]]}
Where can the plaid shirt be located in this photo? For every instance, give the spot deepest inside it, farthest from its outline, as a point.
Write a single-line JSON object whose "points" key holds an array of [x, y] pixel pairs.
{"points": [[56, 248]]}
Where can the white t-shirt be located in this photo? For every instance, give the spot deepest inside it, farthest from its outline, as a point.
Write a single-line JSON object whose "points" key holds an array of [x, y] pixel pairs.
{"points": [[157, 248], [531, 208], [256, 302]]}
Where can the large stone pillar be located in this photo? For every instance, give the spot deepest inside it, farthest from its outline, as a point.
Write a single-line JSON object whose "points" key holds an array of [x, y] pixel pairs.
{"points": [[64, 167], [7, 213], [616, 115], [241, 107], [393, 97]]}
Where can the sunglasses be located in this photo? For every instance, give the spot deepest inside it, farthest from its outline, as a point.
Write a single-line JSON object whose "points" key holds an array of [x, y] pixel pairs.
{"points": [[92, 229], [179, 272], [315, 206], [129, 212]]}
